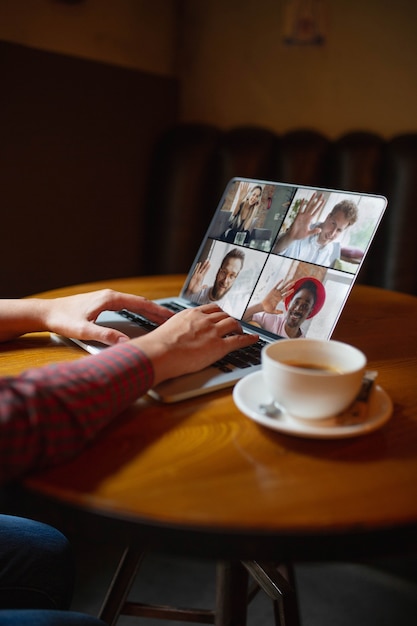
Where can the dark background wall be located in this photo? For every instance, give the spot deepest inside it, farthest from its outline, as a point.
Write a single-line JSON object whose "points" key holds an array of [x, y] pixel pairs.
{"points": [[75, 140], [88, 88]]}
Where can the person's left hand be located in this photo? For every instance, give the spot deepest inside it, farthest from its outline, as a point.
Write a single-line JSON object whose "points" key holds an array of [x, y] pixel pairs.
{"points": [[74, 316]]}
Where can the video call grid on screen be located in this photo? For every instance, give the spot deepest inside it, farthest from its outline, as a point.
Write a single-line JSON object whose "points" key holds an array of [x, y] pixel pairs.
{"points": [[264, 266]]}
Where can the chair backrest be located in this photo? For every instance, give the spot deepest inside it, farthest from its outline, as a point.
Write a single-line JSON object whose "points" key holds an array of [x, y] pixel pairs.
{"points": [[193, 162]]}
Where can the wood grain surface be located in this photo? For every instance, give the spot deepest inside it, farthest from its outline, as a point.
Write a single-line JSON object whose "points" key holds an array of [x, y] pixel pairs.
{"points": [[201, 464]]}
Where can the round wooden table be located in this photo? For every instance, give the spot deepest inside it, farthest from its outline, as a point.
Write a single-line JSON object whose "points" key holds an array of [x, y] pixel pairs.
{"points": [[199, 476]]}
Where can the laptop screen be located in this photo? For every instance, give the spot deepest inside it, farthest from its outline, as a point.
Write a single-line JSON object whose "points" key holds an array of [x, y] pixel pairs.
{"points": [[284, 257]]}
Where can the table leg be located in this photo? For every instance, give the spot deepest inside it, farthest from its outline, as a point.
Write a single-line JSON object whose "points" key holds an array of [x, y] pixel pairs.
{"points": [[231, 594], [121, 584]]}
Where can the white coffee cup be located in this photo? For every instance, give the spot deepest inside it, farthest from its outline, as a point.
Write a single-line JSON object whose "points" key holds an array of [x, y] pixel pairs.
{"points": [[310, 378]]}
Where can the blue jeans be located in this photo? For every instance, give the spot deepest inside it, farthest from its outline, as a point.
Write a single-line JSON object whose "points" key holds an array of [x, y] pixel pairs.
{"points": [[36, 576]]}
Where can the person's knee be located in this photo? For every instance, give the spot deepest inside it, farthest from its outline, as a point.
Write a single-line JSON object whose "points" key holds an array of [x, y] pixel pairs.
{"points": [[36, 565], [47, 618], [29, 541]]}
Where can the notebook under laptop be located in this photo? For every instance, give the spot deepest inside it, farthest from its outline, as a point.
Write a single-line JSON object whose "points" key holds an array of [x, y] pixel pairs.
{"points": [[249, 253]]}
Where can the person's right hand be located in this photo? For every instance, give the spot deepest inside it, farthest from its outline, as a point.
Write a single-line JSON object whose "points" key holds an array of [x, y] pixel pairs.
{"points": [[196, 281], [192, 340], [307, 214]]}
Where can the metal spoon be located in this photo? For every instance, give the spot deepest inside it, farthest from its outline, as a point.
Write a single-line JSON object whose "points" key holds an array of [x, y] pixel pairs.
{"points": [[274, 410], [270, 410]]}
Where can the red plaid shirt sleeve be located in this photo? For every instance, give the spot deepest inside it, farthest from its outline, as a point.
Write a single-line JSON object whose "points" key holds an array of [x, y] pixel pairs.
{"points": [[49, 414]]}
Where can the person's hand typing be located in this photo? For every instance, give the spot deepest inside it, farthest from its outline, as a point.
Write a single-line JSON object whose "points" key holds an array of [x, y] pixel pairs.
{"points": [[192, 340], [74, 316]]}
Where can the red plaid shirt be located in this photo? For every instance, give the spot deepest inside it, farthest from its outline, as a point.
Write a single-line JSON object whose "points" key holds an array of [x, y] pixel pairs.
{"points": [[48, 414]]}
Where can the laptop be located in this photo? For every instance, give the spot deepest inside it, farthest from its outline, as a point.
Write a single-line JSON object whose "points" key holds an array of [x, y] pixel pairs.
{"points": [[276, 285]]}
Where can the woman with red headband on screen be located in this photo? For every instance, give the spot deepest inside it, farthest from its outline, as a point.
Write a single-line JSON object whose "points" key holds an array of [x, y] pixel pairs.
{"points": [[303, 299]]}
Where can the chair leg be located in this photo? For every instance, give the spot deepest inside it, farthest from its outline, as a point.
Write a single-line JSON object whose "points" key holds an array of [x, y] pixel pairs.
{"points": [[280, 588], [121, 584], [231, 594]]}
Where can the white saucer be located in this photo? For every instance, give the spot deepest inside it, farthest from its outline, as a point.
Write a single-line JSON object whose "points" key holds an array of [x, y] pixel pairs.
{"points": [[249, 393]]}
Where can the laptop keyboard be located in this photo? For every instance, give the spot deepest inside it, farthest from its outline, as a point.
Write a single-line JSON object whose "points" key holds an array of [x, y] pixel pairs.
{"points": [[174, 306], [242, 358], [141, 321]]}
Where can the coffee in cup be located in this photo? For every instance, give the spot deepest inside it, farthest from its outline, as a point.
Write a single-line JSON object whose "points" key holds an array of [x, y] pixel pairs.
{"points": [[311, 378]]}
